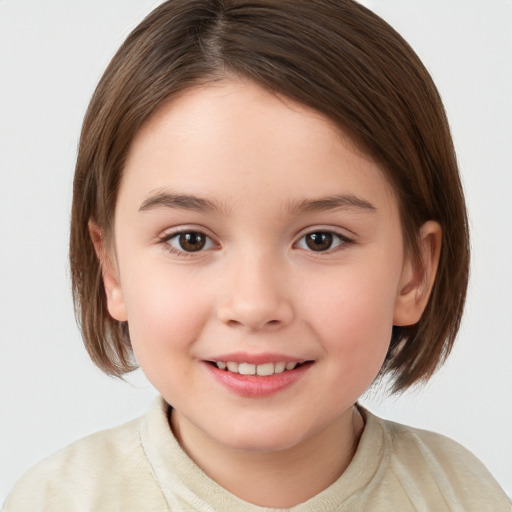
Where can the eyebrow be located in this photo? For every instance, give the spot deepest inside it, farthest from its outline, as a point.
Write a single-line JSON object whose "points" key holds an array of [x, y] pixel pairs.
{"points": [[180, 201], [199, 204], [335, 202]]}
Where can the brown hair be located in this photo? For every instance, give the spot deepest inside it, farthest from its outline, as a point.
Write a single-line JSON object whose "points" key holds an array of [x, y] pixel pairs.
{"points": [[334, 56]]}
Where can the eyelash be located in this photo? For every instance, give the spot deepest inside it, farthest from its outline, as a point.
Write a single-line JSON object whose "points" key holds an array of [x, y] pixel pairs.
{"points": [[343, 241], [166, 239]]}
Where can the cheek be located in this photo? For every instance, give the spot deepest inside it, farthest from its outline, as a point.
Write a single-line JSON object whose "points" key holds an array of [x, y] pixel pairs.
{"points": [[165, 315], [354, 320]]}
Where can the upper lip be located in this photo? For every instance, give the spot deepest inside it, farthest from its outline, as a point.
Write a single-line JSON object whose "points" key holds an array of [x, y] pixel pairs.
{"points": [[243, 357]]}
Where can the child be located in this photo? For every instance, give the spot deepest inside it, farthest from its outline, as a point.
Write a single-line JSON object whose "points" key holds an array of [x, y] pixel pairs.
{"points": [[267, 217]]}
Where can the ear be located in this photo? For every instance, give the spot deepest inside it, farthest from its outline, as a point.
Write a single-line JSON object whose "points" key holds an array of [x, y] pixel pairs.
{"points": [[417, 279], [110, 274]]}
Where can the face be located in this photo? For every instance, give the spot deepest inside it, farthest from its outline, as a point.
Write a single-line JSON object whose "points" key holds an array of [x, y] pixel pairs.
{"points": [[259, 264]]}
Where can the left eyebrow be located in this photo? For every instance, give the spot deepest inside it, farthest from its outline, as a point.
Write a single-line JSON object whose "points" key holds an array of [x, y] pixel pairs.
{"points": [[343, 201]]}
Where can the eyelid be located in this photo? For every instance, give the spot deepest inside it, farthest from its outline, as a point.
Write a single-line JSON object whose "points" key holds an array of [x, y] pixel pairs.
{"points": [[337, 232], [176, 236], [171, 233]]}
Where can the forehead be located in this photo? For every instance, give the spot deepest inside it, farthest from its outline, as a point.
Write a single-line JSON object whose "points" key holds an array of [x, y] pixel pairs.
{"points": [[233, 139]]}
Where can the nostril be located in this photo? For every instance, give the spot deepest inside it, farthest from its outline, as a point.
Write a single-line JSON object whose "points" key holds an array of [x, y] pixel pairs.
{"points": [[255, 314], [254, 324]]}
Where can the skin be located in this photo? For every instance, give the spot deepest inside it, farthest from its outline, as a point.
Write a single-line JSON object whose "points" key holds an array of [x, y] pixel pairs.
{"points": [[256, 287]]}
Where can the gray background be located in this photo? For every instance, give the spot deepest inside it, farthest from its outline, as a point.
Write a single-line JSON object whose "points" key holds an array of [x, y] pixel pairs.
{"points": [[52, 54]]}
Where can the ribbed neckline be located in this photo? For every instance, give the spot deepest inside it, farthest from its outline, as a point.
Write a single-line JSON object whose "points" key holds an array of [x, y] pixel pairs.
{"points": [[181, 480]]}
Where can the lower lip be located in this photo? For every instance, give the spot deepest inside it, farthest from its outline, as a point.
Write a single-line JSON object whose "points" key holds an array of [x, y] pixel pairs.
{"points": [[255, 386]]}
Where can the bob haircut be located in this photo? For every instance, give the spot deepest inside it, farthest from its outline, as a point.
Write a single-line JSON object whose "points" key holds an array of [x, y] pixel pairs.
{"points": [[334, 56]]}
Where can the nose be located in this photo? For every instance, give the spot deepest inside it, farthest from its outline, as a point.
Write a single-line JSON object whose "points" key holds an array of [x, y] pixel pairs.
{"points": [[255, 297]]}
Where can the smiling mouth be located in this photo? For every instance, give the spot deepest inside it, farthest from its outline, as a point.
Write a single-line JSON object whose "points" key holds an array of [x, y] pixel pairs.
{"points": [[262, 370]]}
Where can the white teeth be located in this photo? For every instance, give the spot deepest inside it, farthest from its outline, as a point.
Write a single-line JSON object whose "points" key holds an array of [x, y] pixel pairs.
{"points": [[232, 367], [279, 367], [246, 369], [263, 370]]}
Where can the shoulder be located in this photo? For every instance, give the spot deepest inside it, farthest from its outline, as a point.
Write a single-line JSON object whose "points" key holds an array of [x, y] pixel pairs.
{"points": [[434, 465], [104, 471]]}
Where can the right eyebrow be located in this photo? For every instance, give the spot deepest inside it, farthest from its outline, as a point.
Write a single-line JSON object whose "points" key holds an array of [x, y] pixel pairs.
{"points": [[180, 201]]}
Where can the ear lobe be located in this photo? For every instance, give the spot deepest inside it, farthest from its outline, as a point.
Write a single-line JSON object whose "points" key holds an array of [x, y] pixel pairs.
{"points": [[110, 274], [418, 279]]}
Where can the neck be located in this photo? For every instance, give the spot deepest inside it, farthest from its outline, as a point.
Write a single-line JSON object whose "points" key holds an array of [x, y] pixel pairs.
{"points": [[276, 479]]}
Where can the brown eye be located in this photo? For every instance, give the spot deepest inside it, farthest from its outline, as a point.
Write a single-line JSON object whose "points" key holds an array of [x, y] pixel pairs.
{"points": [[189, 241], [192, 242], [319, 241], [323, 241]]}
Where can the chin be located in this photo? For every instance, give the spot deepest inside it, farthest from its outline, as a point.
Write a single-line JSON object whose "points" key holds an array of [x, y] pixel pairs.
{"points": [[261, 438]]}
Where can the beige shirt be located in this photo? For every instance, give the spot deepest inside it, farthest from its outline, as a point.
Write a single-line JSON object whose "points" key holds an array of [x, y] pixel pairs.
{"points": [[140, 467]]}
